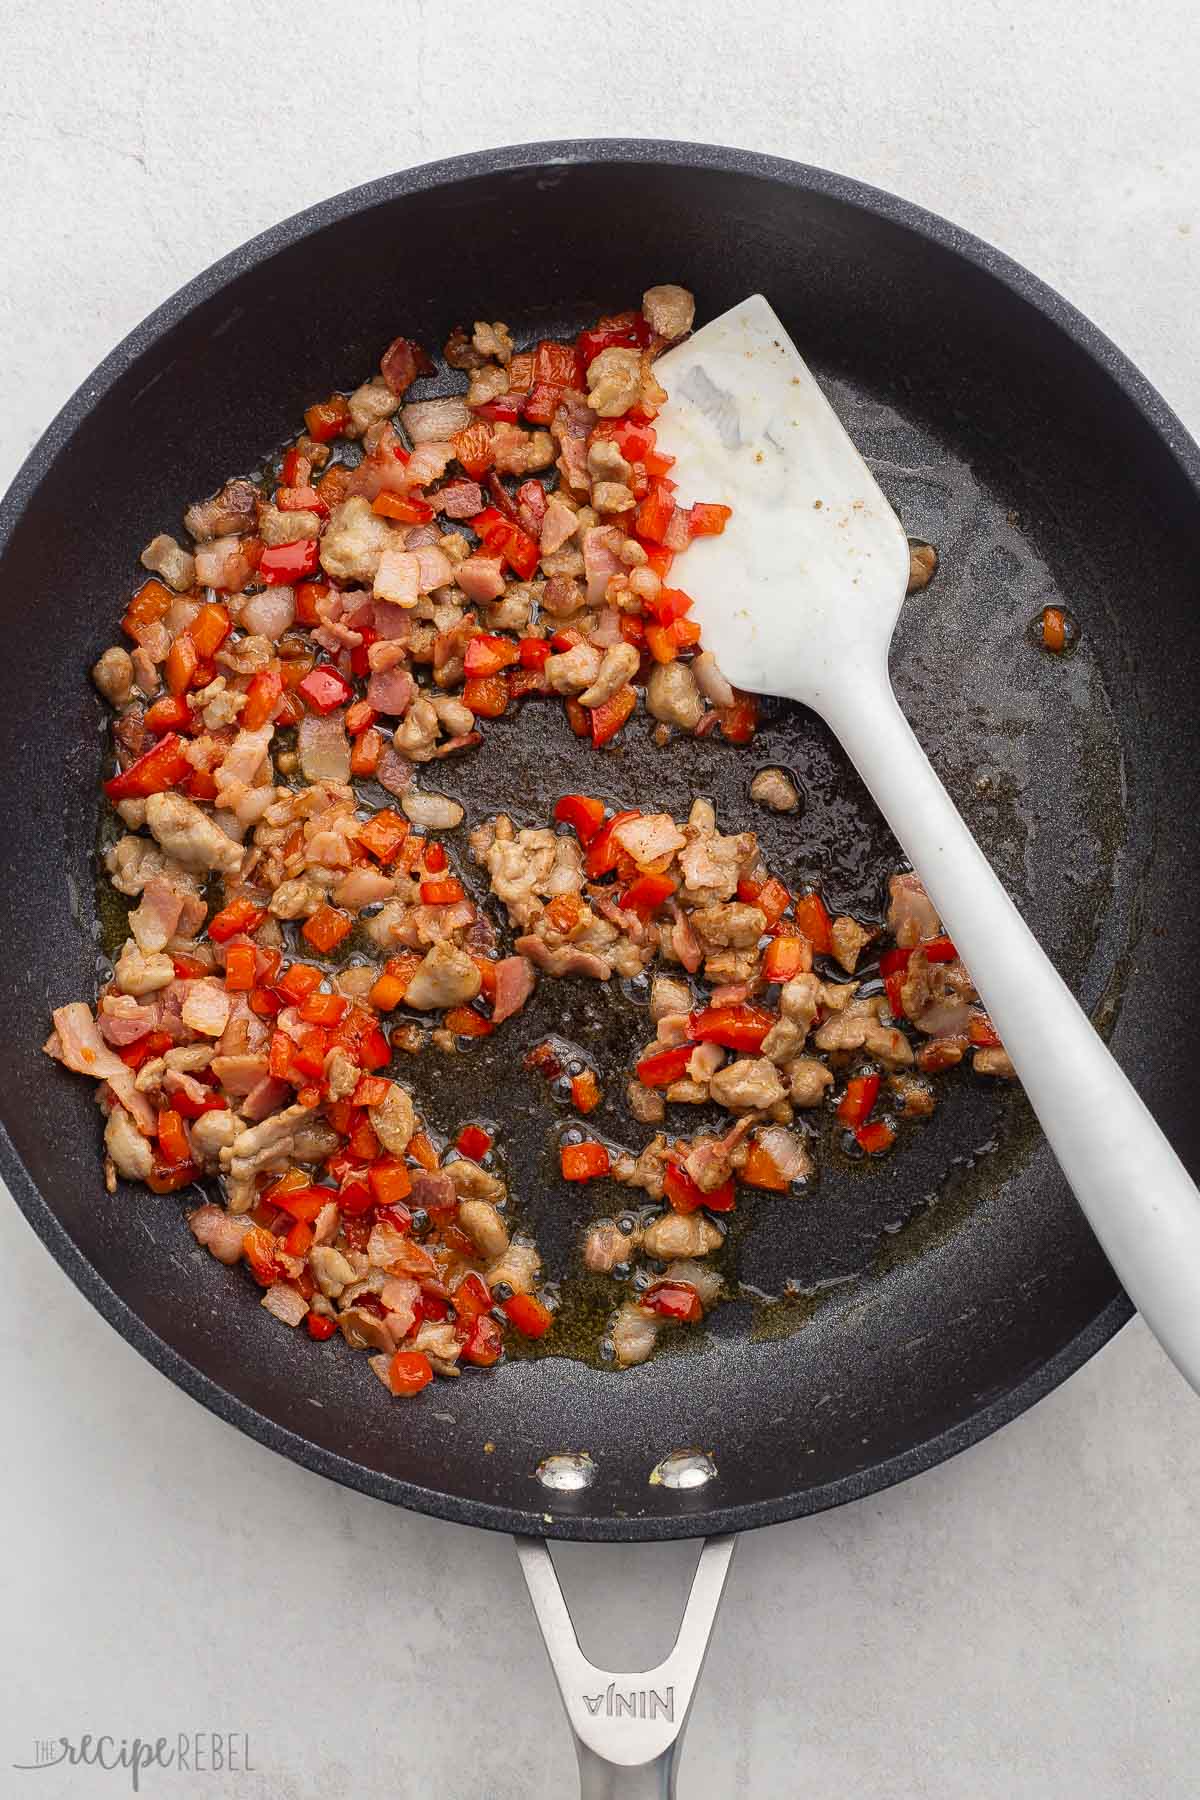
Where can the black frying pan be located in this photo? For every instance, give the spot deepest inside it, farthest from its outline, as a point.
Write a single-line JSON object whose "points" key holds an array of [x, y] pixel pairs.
{"points": [[934, 1297]]}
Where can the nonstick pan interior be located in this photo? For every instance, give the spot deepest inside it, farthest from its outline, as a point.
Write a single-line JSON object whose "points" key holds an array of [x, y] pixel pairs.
{"points": [[934, 1296]]}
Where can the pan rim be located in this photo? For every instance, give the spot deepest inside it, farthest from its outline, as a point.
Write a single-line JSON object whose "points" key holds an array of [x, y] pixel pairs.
{"points": [[973, 251]]}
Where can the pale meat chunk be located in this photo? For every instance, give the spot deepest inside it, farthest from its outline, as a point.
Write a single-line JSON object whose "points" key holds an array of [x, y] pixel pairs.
{"points": [[187, 833]]}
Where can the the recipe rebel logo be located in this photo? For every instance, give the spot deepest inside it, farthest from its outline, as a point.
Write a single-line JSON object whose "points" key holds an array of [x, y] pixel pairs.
{"points": [[187, 1753], [637, 1703]]}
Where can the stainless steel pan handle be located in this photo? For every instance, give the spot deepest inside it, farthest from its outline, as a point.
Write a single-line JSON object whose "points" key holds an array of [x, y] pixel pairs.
{"points": [[628, 1726]]}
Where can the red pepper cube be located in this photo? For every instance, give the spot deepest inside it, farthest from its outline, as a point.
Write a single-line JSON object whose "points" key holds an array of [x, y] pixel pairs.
{"points": [[325, 688], [326, 928], [285, 564]]}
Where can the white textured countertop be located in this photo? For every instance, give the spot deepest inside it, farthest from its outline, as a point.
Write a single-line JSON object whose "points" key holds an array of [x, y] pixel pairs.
{"points": [[1018, 1623]]}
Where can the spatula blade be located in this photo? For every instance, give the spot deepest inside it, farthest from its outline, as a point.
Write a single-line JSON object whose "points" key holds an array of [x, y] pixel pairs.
{"points": [[812, 567]]}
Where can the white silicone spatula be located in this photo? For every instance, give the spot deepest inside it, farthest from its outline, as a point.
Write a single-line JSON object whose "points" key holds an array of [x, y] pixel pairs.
{"points": [[799, 597]]}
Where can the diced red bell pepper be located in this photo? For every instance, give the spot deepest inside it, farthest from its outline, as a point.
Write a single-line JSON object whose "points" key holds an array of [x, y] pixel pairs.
{"points": [[740, 1027], [655, 512], [151, 603], [542, 402], [578, 717], [858, 1099], [282, 564], [668, 605], [407, 509], [518, 549], [408, 1372], [645, 895], [390, 1180], [327, 418], [686, 1196], [661, 1067], [319, 1327], [324, 1009], [487, 655], [939, 950], [474, 1142], [360, 717], [760, 1170], [527, 1313], [604, 849], [585, 1092], [442, 893], [241, 915], [584, 1162], [183, 659], [673, 1300], [262, 698], [326, 928], [435, 859], [240, 962], [486, 695], [635, 442], [366, 753], [159, 768], [584, 814], [167, 1177], [983, 1033], [298, 982], [628, 330], [463, 1021], [534, 653], [814, 922], [383, 834], [171, 713], [876, 1137], [786, 957], [666, 641], [484, 1344], [307, 593], [471, 1297], [739, 722], [505, 409], [325, 687], [173, 1139], [561, 364], [563, 913], [209, 629], [188, 968], [707, 519], [608, 718]]}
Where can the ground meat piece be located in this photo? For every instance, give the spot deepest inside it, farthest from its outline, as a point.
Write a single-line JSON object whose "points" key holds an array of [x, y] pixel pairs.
{"points": [[485, 1228], [565, 961], [574, 670], [460, 352], [331, 1271], [231, 512], [673, 697], [354, 541], [296, 899], [922, 565], [206, 1007], [518, 1268], [646, 1104], [113, 675], [619, 666], [605, 463], [612, 497], [634, 1331], [749, 1083], [668, 310], [915, 1095], [417, 735], [681, 1234], [669, 996], [799, 1003], [849, 938], [646, 1170], [493, 340], [606, 1245], [342, 1075], [136, 973], [614, 381], [213, 1132], [265, 1145], [131, 1154], [446, 977], [911, 917], [518, 452], [480, 578], [736, 924], [275, 527], [807, 1081], [189, 835], [562, 596], [994, 1061], [168, 559], [393, 1121], [221, 1235], [369, 405], [773, 788]]}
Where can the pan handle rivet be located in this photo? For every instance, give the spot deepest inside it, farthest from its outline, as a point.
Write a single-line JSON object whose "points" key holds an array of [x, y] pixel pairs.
{"points": [[684, 1469]]}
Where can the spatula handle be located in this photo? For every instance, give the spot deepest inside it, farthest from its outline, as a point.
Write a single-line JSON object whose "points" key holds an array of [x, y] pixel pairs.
{"points": [[1136, 1194]]}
